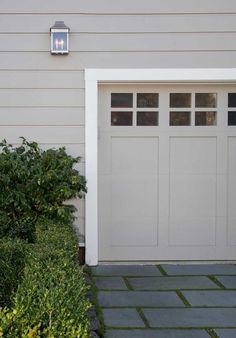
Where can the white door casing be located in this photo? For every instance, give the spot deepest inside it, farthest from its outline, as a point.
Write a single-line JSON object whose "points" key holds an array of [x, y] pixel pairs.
{"points": [[93, 78]]}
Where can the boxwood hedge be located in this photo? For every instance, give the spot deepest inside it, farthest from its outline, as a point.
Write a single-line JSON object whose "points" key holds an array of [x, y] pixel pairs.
{"points": [[51, 298], [12, 258]]}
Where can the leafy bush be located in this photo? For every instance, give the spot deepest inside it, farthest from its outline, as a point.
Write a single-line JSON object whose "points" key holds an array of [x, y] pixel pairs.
{"points": [[51, 300], [12, 258], [35, 183]]}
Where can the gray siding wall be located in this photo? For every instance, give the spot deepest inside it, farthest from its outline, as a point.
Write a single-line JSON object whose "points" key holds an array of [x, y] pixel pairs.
{"points": [[42, 96]]}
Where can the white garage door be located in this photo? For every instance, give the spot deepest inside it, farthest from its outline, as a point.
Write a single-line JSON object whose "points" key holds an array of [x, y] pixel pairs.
{"points": [[167, 172]]}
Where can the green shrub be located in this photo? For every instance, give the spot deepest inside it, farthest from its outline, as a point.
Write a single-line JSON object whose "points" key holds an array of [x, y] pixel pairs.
{"points": [[51, 300], [34, 183], [12, 259]]}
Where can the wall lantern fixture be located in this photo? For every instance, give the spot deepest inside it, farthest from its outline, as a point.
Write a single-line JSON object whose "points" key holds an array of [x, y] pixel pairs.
{"points": [[59, 38]]}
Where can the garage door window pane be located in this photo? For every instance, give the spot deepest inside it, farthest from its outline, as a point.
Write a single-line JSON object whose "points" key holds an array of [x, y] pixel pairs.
{"points": [[232, 100], [205, 100], [147, 100], [121, 118], [149, 118], [232, 118], [121, 100], [205, 118], [180, 100], [180, 118]]}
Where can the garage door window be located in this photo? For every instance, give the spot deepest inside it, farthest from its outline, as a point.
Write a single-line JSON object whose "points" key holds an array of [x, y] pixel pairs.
{"points": [[145, 118], [180, 103], [180, 118], [232, 109], [205, 100], [180, 100], [205, 118], [121, 118], [144, 109], [121, 100], [147, 100], [185, 109], [181, 115]]}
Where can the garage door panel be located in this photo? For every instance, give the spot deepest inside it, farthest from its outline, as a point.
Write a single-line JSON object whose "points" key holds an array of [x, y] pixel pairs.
{"points": [[197, 231], [134, 195], [167, 192], [193, 154], [193, 186], [232, 231], [134, 231], [231, 177], [232, 197], [104, 153], [134, 155], [192, 195], [231, 191], [104, 195]]}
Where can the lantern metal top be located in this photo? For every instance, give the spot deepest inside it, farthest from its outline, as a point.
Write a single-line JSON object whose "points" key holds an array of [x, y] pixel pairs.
{"points": [[59, 25]]}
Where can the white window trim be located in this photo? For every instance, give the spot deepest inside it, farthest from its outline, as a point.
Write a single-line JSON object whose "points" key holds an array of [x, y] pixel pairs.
{"points": [[92, 78]]}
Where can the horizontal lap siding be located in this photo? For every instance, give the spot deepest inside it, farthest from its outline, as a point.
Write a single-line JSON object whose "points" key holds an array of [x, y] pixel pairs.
{"points": [[44, 134], [42, 96], [42, 79], [42, 116], [103, 23], [121, 6], [123, 42], [177, 59]]}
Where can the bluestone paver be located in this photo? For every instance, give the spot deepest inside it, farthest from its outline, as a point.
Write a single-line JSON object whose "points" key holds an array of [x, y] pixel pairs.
{"points": [[200, 269], [211, 298], [114, 283], [125, 270], [138, 298], [122, 318], [154, 307], [165, 283], [190, 317], [227, 281], [157, 334], [226, 333]]}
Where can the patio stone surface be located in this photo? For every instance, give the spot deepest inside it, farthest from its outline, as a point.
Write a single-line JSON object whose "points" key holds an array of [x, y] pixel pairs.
{"points": [[226, 333], [138, 298], [211, 317], [211, 298], [228, 281], [111, 283], [157, 334], [165, 283], [200, 269], [167, 301], [122, 318], [126, 270]]}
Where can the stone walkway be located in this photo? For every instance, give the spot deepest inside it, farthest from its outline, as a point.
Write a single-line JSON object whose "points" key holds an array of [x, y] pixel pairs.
{"points": [[167, 301]]}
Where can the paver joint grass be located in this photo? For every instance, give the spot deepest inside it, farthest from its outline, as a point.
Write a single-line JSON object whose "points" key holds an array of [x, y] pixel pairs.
{"points": [[216, 281], [184, 300], [212, 333], [162, 270], [141, 314], [127, 283]]}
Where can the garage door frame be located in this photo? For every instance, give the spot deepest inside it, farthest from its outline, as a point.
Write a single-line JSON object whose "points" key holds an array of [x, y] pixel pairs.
{"points": [[94, 77]]}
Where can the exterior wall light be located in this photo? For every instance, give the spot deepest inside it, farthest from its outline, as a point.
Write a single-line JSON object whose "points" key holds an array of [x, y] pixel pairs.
{"points": [[59, 38]]}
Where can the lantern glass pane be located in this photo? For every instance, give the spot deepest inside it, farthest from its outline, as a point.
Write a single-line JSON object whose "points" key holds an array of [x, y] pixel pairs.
{"points": [[60, 41]]}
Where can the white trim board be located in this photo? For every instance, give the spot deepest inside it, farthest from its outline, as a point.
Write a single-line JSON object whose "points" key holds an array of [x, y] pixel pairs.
{"points": [[92, 78]]}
